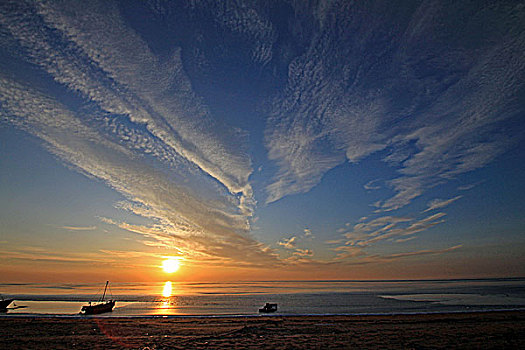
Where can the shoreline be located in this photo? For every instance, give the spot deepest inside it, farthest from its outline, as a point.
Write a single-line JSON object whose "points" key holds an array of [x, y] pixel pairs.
{"points": [[205, 316], [494, 329]]}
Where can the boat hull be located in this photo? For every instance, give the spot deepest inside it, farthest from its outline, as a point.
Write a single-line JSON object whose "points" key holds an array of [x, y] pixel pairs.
{"points": [[268, 308], [98, 308]]}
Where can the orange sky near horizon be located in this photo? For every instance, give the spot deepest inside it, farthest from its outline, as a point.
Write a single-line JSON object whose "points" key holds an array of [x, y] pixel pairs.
{"points": [[458, 265]]}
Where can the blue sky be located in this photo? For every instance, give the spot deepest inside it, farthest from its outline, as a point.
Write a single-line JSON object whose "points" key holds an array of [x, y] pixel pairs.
{"points": [[352, 140]]}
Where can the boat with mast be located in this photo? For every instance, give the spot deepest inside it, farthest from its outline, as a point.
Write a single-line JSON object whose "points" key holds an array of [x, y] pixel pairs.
{"points": [[100, 307]]}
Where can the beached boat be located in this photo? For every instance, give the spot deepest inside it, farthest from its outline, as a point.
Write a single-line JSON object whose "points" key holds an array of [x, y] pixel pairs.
{"points": [[99, 307], [268, 308], [4, 303]]}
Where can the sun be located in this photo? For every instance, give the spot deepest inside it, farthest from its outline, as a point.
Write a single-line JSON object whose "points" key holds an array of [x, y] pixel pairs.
{"points": [[170, 265]]}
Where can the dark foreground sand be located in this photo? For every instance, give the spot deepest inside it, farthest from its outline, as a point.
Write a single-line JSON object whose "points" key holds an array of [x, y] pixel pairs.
{"points": [[497, 330]]}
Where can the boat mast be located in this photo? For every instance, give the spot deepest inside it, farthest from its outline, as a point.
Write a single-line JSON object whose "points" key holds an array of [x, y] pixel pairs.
{"points": [[106, 287]]}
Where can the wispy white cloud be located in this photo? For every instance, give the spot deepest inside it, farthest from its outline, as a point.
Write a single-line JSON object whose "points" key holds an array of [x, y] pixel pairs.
{"points": [[375, 258], [298, 254], [364, 91], [307, 233], [365, 234], [79, 228], [213, 227], [371, 185], [303, 252], [440, 203], [124, 77], [142, 113], [401, 240], [289, 243], [419, 253], [39, 254], [346, 252], [470, 186], [130, 254]]}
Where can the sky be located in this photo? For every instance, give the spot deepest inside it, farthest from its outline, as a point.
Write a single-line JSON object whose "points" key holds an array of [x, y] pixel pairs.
{"points": [[261, 140]]}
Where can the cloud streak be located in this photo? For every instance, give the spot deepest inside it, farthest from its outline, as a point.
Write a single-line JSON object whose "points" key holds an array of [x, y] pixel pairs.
{"points": [[364, 90], [365, 234], [289, 243], [215, 227], [374, 259], [79, 228], [441, 203], [109, 64]]}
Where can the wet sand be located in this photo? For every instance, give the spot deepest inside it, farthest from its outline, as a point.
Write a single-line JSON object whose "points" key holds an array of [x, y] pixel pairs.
{"points": [[497, 330]]}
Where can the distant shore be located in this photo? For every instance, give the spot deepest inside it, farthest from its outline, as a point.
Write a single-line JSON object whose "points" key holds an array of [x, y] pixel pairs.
{"points": [[482, 330]]}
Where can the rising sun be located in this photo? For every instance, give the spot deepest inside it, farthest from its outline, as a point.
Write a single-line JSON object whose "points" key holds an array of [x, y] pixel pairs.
{"points": [[170, 265]]}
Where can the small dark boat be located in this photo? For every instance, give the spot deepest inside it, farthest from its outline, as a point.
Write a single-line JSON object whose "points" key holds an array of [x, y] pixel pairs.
{"points": [[4, 303], [100, 307], [268, 308]]}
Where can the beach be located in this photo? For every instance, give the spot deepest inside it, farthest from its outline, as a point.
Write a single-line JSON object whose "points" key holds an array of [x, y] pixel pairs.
{"points": [[480, 330]]}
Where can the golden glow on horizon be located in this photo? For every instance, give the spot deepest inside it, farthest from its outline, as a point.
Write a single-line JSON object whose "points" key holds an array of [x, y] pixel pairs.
{"points": [[170, 265], [166, 292]]}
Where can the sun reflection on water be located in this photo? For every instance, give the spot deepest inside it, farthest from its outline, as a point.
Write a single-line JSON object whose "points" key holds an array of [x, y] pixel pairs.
{"points": [[166, 292], [168, 305]]}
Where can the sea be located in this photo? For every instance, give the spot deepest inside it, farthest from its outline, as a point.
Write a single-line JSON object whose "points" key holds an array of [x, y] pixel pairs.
{"points": [[185, 299]]}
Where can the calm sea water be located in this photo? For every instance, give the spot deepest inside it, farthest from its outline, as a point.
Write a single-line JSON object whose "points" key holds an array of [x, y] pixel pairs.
{"points": [[293, 297]]}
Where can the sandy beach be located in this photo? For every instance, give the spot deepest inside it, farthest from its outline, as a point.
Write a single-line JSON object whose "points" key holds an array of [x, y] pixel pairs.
{"points": [[461, 330]]}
